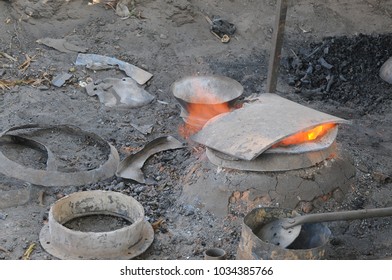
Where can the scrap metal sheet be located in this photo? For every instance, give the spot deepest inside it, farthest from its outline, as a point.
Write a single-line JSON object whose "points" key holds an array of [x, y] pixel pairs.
{"points": [[139, 75], [247, 132]]}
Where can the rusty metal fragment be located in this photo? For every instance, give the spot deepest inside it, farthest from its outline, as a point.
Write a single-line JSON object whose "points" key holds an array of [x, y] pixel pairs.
{"points": [[247, 132]]}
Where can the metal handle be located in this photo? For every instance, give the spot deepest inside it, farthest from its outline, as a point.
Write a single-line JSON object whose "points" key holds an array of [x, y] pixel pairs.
{"points": [[338, 216]]}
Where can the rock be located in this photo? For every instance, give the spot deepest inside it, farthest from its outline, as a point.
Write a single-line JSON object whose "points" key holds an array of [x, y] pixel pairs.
{"points": [[189, 210], [306, 207], [338, 195], [140, 189], [3, 216], [381, 178]]}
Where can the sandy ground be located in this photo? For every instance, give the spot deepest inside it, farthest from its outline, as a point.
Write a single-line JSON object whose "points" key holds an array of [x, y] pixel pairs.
{"points": [[172, 39]]}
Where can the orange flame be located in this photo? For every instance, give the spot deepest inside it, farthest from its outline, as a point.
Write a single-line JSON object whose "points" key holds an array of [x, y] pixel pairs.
{"points": [[206, 106], [306, 136]]}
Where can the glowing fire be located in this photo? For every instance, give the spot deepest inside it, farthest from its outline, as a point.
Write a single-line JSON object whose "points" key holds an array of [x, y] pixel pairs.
{"points": [[306, 136], [205, 107]]}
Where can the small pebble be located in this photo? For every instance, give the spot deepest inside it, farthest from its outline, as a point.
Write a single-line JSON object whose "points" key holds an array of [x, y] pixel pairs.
{"points": [[120, 185], [3, 216], [140, 189], [189, 210]]}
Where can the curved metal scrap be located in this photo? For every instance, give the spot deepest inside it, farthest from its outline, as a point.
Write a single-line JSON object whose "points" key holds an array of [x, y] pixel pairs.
{"points": [[139, 75], [131, 166]]}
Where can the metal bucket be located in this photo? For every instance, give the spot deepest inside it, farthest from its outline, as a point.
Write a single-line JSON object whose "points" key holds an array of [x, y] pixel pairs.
{"points": [[309, 245]]}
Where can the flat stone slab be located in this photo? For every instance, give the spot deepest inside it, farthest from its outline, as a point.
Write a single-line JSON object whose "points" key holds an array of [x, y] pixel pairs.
{"points": [[247, 132]]}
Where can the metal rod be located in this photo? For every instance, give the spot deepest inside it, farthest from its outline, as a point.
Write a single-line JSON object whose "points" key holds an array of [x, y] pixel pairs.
{"points": [[277, 41], [339, 216]]}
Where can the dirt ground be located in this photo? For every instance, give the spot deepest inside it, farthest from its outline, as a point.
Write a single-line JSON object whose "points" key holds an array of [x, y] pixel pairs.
{"points": [[171, 40]]}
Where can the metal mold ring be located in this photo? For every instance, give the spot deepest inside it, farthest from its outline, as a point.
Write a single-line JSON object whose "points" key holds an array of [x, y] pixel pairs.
{"points": [[124, 243], [51, 176]]}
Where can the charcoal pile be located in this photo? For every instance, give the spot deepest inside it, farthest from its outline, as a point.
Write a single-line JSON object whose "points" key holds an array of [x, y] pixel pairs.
{"points": [[343, 70]]}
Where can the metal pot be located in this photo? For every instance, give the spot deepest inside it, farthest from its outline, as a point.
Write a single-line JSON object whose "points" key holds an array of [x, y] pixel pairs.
{"points": [[310, 244]]}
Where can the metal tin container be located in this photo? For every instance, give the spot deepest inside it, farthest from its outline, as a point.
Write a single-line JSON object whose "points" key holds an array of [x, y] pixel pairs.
{"points": [[309, 245]]}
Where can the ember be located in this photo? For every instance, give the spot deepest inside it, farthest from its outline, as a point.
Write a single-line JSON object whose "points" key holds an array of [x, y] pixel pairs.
{"points": [[306, 136]]}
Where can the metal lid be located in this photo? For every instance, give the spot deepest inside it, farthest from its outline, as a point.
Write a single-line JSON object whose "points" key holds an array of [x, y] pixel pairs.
{"points": [[247, 132]]}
